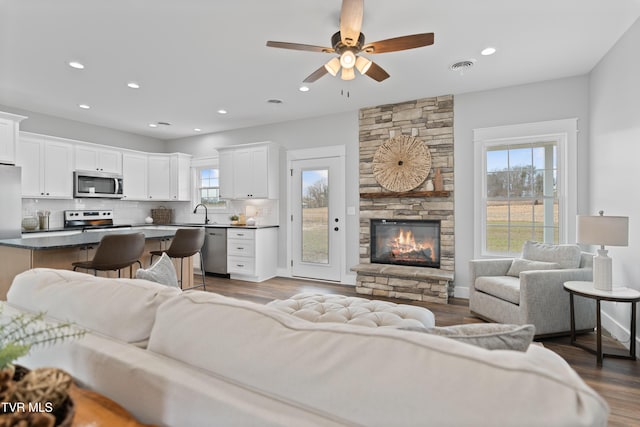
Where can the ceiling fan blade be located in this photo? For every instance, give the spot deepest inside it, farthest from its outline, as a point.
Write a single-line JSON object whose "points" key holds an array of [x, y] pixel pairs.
{"points": [[316, 75], [377, 73], [351, 21], [298, 46], [399, 43]]}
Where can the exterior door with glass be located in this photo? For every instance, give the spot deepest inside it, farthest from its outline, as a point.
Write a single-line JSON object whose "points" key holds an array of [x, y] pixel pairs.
{"points": [[317, 218]]}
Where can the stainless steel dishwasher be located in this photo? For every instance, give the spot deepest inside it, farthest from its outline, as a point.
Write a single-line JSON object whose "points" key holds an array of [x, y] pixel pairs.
{"points": [[215, 250]]}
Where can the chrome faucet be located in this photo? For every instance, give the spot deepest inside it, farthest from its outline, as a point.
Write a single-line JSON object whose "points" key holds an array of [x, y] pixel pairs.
{"points": [[206, 212]]}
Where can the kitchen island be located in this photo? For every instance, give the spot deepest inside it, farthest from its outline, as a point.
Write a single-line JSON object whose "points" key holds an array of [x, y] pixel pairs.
{"points": [[55, 251]]}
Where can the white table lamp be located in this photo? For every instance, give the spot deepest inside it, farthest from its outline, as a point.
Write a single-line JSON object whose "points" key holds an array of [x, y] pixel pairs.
{"points": [[603, 230]]}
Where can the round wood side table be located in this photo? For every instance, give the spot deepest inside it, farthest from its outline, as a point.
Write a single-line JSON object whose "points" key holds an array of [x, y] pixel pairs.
{"points": [[617, 294]]}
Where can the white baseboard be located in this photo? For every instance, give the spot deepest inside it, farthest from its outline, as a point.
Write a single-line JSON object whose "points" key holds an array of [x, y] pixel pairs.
{"points": [[618, 331], [283, 272], [461, 292], [349, 279]]}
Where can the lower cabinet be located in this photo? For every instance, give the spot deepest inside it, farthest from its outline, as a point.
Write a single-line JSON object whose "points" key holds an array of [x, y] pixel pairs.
{"points": [[252, 254]]}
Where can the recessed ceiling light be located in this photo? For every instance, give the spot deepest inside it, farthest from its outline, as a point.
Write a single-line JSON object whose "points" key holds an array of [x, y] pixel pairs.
{"points": [[76, 65], [221, 111], [197, 130], [84, 106], [488, 51], [304, 89], [153, 125], [133, 85]]}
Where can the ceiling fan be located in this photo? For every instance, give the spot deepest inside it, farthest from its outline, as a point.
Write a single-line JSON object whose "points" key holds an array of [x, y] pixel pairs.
{"points": [[348, 43]]}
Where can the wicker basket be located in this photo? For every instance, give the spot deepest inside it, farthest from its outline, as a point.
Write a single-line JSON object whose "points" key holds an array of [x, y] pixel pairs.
{"points": [[161, 215]]}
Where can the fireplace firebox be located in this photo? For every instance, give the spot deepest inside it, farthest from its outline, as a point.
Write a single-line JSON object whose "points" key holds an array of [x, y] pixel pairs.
{"points": [[406, 242]]}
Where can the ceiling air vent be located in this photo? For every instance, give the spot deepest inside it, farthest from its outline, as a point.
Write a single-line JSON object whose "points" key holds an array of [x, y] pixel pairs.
{"points": [[462, 65]]}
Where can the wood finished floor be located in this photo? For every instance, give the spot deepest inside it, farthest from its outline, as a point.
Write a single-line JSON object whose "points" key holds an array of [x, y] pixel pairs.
{"points": [[617, 381]]}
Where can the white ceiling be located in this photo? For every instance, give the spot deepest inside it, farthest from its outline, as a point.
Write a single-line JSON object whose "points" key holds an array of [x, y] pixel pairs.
{"points": [[193, 57]]}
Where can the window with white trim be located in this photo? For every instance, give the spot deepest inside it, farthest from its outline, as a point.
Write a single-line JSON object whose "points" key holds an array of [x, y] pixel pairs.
{"points": [[209, 187], [525, 186], [207, 182]]}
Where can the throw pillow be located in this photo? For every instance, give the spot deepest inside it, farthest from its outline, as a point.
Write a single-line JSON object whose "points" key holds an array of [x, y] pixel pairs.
{"points": [[491, 336], [568, 256], [162, 271], [518, 265]]}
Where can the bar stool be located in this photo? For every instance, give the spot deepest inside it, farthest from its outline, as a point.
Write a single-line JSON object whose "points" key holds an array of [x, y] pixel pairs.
{"points": [[186, 242], [116, 251]]}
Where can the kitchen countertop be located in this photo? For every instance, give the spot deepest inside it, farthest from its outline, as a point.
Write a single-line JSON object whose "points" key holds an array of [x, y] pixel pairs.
{"points": [[79, 239], [151, 231], [150, 226]]}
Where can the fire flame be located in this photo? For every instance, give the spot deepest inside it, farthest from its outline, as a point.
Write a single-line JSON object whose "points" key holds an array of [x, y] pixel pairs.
{"points": [[405, 244]]}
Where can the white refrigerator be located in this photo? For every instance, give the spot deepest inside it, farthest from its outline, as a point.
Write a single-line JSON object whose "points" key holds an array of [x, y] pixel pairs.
{"points": [[10, 202]]}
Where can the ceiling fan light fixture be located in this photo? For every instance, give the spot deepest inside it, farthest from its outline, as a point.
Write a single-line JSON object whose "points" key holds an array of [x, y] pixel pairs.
{"points": [[348, 74], [348, 59], [333, 66], [363, 64]]}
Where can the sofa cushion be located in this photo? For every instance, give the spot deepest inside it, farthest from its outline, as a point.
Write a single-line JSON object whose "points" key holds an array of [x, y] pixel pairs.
{"points": [[504, 287], [162, 271], [492, 336], [567, 256], [369, 376], [519, 265], [120, 308]]}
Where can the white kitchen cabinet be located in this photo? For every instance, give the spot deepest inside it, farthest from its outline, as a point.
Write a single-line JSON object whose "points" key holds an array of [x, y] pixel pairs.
{"points": [[156, 177], [225, 173], [159, 177], [249, 171], [180, 177], [252, 254], [9, 128], [97, 158], [47, 166], [134, 176]]}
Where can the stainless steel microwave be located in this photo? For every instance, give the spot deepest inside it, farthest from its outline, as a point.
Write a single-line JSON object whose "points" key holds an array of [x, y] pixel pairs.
{"points": [[97, 184]]}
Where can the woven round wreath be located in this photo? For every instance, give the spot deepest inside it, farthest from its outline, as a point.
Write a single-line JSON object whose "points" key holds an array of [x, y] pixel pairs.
{"points": [[401, 163]]}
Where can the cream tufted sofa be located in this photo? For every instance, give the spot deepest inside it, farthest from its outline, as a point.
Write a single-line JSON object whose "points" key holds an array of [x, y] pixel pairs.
{"points": [[355, 311], [253, 365]]}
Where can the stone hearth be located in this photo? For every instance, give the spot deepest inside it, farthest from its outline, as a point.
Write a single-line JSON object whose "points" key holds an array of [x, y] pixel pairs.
{"points": [[430, 120]]}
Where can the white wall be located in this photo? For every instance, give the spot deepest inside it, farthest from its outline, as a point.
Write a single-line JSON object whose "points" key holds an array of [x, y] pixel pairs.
{"points": [[613, 166], [63, 128], [337, 129], [549, 100]]}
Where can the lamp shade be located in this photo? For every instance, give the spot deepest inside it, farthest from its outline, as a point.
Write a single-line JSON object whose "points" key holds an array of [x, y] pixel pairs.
{"points": [[603, 230]]}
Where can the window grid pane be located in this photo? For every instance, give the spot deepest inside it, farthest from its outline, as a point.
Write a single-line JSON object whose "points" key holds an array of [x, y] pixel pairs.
{"points": [[521, 196], [209, 187]]}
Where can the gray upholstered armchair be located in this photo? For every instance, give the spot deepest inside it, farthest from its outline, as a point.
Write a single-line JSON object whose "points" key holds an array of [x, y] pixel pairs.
{"points": [[529, 290]]}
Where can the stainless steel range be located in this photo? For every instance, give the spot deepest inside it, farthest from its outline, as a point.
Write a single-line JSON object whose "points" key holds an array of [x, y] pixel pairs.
{"points": [[90, 219]]}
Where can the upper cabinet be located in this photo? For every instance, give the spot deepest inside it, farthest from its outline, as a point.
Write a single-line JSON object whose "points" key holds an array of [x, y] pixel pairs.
{"points": [[159, 173], [156, 177], [180, 177], [134, 176], [249, 171], [47, 166], [9, 128], [48, 163], [98, 158]]}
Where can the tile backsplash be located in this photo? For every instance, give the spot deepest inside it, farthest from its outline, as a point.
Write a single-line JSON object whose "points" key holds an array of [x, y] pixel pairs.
{"points": [[131, 212]]}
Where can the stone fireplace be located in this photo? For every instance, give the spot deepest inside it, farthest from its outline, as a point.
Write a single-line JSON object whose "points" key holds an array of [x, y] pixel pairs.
{"points": [[414, 242], [393, 262]]}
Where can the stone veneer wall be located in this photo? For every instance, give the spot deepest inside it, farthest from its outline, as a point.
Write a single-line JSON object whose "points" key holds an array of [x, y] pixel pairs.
{"points": [[430, 120]]}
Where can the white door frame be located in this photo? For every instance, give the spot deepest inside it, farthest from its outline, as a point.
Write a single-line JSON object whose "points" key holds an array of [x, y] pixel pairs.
{"points": [[307, 154]]}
